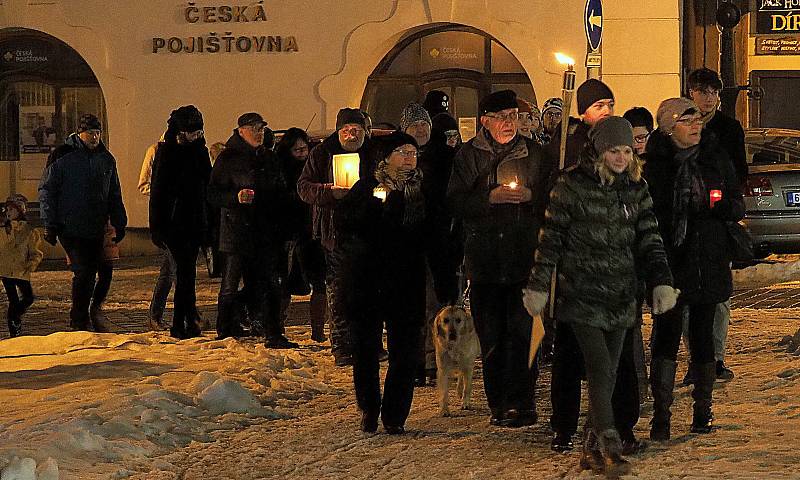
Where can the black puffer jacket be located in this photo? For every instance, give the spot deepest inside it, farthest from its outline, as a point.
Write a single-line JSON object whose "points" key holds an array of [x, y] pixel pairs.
{"points": [[243, 227], [598, 235], [499, 239], [701, 265]]}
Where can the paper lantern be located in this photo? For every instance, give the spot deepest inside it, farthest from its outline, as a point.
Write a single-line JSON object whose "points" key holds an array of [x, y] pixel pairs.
{"points": [[345, 169]]}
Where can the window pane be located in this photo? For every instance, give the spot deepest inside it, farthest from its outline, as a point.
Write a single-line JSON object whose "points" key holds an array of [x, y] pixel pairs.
{"points": [[452, 50], [406, 62], [387, 101], [503, 61]]}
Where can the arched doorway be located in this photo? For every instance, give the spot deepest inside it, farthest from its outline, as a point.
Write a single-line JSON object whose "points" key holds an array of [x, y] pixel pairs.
{"points": [[45, 86], [462, 61]]}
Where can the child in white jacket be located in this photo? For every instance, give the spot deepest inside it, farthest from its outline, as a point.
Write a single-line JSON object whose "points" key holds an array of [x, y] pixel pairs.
{"points": [[19, 256]]}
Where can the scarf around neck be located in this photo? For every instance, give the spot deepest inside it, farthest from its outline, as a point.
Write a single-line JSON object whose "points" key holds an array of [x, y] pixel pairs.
{"points": [[689, 192], [410, 183]]}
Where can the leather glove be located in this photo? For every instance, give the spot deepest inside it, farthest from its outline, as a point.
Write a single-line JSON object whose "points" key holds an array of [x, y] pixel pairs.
{"points": [[119, 235], [534, 301], [50, 236], [664, 298]]}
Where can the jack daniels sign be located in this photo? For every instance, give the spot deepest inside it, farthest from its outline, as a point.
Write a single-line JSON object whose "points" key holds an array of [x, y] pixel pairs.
{"points": [[777, 17]]}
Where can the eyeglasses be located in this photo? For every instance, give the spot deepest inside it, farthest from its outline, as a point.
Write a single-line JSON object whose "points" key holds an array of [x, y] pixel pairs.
{"points": [[504, 117], [406, 153], [641, 138], [711, 92], [451, 133], [690, 121], [552, 114], [195, 134], [352, 130], [257, 128]]}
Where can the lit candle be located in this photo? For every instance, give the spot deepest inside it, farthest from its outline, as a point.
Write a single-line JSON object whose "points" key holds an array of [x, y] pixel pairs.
{"points": [[379, 192], [513, 184], [714, 197]]}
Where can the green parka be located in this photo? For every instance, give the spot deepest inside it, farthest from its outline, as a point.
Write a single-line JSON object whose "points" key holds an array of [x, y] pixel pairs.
{"points": [[599, 230]]}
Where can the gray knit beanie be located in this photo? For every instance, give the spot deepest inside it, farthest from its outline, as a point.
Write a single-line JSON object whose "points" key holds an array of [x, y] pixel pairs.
{"points": [[413, 112], [611, 132]]}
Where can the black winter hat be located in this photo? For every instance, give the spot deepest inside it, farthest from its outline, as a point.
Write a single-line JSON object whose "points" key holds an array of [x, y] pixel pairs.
{"points": [[436, 102], [386, 143], [89, 122], [591, 91], [250, 118], [497, 101], [444, 122], [350, 115], [185, 119], [611, 132]]}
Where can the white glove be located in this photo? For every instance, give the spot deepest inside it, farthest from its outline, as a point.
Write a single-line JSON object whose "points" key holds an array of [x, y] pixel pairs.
{"points": [[664, 298], [534, 301]]}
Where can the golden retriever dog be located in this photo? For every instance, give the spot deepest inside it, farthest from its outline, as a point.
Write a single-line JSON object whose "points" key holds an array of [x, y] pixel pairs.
{"points": [[457, 348]]}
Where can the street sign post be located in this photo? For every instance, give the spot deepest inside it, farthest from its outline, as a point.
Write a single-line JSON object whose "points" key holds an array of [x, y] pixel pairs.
{"points": [[593, 26]]}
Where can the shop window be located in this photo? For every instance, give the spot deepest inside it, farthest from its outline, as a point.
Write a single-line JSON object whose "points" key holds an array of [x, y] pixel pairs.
{"points": [[779, 106]]}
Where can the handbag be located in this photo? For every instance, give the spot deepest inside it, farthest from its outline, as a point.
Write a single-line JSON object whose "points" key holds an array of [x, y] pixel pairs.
{"points": [[740, 242]]}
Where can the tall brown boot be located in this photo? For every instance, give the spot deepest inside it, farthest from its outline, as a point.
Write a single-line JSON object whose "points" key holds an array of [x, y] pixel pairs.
{"points": [[611, 446]]}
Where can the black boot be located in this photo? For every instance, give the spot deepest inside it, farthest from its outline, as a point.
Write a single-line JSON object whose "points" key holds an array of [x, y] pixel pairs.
{"points": [[702, 417], [99, 320], [611, 446], [662, 383], [14, 322], [318, 304], [228, 318], [591, 457]]}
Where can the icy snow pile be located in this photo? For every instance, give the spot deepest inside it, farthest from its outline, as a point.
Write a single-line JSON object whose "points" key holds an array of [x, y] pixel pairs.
{"points": [[766, 274], [84, 398]]}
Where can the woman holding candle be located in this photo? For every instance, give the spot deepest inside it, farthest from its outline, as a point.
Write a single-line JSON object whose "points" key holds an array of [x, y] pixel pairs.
{"points": [[381, 224], [695, 192], [599, 230]]}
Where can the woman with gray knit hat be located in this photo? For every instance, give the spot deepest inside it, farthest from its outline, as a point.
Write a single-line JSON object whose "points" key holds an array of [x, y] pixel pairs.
{"points": [[695, 195], [599, 227], [415, 121]]}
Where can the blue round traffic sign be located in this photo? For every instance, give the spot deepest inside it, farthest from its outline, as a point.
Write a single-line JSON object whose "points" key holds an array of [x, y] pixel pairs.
{"points": [[593, 23]]}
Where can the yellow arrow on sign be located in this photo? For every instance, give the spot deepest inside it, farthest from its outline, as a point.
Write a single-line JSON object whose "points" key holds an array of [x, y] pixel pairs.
{"points": [[595, 20]]}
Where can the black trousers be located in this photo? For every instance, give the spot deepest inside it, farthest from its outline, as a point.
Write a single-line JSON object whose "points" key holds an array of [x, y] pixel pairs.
{"points": [[185, 255], [667, 328], [504, 332], [20, 297], [262, 291], [339, 265], [91, 277], [565, 388]]}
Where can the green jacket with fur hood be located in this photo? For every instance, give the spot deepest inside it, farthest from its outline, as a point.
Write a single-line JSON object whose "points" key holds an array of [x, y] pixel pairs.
{"points": [[601, 233]]}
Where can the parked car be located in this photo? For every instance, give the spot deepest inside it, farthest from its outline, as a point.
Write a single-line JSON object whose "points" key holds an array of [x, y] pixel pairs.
{"points": [[772, 192]]}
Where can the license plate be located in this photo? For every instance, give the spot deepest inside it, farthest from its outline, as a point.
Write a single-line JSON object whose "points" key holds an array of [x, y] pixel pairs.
{"points": [[792, 199]]}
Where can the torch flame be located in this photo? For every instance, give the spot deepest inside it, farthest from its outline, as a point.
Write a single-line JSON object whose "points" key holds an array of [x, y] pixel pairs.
{"points": [[564, 59]]}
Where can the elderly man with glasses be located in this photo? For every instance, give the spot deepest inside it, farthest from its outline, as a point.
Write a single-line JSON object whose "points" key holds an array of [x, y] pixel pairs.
{"points": [[498, 188]]}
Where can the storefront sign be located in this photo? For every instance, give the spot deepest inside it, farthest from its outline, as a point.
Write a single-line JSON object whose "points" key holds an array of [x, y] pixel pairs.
{"points": [[23, 56], [227, 42], [777, 17], [778, 45]]}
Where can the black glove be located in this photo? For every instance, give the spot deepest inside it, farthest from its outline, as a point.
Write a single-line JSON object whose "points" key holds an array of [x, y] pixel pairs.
{"points": [[120, 234], [50, 236]]}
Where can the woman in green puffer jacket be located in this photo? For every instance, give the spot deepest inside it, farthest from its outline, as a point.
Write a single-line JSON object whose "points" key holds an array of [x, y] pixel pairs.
{"points": [[599, 231]]}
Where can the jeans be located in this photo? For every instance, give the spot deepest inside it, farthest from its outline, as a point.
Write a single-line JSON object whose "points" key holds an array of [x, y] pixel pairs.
{"points": [[722, 318], [18, 302], [262, 293], [185, 255], [601, 351], [91, 277]]}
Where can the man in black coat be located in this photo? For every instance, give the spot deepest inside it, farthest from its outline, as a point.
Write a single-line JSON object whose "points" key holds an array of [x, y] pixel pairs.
{"points": [[79, 194], [178, 209], [248, 186], [498, 188], [704, 87]]}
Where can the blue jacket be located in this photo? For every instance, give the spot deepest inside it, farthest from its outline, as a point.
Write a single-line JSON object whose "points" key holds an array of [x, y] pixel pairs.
{"points": [[80, 191]]}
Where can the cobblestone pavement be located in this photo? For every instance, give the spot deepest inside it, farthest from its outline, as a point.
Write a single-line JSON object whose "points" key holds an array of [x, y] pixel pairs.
{"points": [[134, 279]]}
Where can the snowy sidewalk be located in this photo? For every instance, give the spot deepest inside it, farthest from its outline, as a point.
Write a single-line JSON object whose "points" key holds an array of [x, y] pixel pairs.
{"points": [[147, 407]]}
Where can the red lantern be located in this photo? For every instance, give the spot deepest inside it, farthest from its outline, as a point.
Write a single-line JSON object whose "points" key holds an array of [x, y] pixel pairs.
{"points": [[714, 197]]}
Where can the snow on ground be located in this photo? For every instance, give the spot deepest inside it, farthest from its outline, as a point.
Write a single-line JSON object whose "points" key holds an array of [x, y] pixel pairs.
{"points": [[144, 406]]}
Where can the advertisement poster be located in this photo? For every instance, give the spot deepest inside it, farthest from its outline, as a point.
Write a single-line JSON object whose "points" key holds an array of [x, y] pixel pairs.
{"points": [[36, 132]]}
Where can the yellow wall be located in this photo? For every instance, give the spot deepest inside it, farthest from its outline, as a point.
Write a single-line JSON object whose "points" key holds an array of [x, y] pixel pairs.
{"points": [[340, 43]]}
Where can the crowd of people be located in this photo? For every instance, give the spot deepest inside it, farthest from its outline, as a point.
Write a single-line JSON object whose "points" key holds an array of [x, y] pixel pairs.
{"points": [[583, 232]]}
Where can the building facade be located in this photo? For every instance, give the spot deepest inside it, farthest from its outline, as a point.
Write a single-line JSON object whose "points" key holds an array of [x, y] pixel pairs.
{"points": [[297, 63]]}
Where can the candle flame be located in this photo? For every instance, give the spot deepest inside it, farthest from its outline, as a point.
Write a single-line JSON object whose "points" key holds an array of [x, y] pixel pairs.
{"points": [[512, 185], [564, 59]]}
